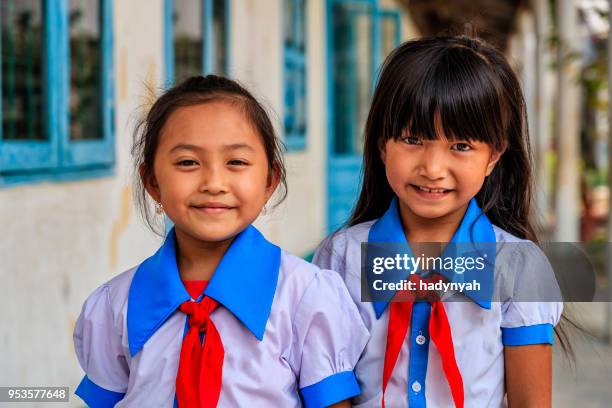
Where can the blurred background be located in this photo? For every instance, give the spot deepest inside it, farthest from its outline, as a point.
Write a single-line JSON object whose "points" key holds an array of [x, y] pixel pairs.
{"points": [[77, 74]]}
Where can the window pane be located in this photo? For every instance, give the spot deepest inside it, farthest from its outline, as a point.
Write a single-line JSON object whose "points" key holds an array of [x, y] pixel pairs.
{"points": [[300, 23], [290, 103], [363, 38], [220, 36], [187, 17], [85, 70], [295, 119], [22, 50], [288, 21], [301, 101], [352, 75]]}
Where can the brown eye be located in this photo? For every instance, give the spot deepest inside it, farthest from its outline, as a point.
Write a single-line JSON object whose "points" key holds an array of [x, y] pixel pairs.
{"points": [[462, 147], [187, 163], [237, 162], [412, 140]]}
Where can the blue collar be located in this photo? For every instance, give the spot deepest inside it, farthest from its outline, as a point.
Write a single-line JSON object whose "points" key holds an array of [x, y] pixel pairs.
{"points": [[475, 228], [244, 282]]}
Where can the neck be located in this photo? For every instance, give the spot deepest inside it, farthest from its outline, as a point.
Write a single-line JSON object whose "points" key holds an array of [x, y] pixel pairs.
{"points": [[196, 259], [419, 229]]}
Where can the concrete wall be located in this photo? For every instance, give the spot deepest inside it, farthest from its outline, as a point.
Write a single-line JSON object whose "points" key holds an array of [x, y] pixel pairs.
{"points": [[63, 239]]}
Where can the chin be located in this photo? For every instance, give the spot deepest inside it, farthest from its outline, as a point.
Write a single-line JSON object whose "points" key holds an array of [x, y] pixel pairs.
{"points": [[218, 236], [207, 234], [430, 214], [430, 211]]}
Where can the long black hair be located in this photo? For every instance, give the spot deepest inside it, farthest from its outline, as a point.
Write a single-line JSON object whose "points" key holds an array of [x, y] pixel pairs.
{"points": [[476, 95]]}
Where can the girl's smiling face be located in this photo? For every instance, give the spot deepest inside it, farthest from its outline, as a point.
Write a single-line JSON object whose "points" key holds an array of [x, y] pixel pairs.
{"points": [[211, 172], [436, 178]]}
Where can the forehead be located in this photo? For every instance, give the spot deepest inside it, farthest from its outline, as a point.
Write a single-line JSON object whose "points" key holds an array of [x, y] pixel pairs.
{"points": [[210, 125]]}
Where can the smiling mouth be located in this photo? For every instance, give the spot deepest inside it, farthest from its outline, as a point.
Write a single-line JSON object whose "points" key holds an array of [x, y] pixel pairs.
{"points": [[431, 193], [431, 190], [213, 208]]}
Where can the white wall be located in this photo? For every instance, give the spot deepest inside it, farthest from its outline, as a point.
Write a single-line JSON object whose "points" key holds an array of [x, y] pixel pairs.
{"points": [[63, 239]]}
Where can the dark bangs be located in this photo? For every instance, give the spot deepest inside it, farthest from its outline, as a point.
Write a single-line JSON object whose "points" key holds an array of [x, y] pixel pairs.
{"points": [[455, 85]]}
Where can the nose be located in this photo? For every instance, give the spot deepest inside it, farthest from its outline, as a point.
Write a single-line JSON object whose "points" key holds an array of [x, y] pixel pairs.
{"points": [[433, 163], [213, 180]]}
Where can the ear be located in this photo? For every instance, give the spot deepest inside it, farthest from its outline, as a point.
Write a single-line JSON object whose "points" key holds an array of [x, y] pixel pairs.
{"points": [[273, 181], [493, 159], [150, 183]]}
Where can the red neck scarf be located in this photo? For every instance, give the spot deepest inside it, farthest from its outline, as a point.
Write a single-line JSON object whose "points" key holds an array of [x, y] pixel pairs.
{"points": [[198, 382], [400, 313]]}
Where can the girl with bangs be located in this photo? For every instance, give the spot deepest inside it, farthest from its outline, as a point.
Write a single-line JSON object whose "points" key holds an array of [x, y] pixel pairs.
{"points": [[447, 160]]}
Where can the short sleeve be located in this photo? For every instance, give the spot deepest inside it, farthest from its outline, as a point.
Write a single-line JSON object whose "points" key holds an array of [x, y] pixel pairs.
{"points": [[97, 343], [329, 337], [331, 253], [535, 304]]}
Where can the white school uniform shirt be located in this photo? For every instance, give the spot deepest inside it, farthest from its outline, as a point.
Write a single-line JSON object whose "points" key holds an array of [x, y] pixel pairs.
{"points": [[290, 331], [479, 329]]}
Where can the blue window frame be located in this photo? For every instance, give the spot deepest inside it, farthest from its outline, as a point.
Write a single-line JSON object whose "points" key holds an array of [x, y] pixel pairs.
{"points": [[360, 34], [57, 90], [295, 114], [196, 38]]}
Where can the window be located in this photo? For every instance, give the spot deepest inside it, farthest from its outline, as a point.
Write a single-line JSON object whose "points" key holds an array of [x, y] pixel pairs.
{"points": [[196, 38], [294, 28], [90, 101], [360, 34], [57, 102]]}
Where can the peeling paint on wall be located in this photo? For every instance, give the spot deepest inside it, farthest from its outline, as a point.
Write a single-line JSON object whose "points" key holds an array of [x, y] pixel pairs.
{"points": [[122, 75], [120, 224]]}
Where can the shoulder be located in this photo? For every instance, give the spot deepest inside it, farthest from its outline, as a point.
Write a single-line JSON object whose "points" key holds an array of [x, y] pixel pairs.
{"points": [[112, 294], [523, 269], [119, 286], [511, 248], [304, 286], [312, 291], [344, 240], [502, 236], [297, 271], [355, 234]]}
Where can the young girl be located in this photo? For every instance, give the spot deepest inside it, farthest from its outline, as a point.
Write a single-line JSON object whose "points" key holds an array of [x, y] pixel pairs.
{"points": [[447, 160], [218, 316]]}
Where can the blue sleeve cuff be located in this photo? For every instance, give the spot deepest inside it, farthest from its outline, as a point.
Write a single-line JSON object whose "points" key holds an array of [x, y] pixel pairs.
{"points": [[335, 388], [95, 396], [525, 335]]}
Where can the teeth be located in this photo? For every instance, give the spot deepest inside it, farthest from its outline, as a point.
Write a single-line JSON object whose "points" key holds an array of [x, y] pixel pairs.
{"points": [[432, 190]]}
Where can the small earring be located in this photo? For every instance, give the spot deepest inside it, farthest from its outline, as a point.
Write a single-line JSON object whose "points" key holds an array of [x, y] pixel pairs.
{"points": [[264, 210], [159, 208]]}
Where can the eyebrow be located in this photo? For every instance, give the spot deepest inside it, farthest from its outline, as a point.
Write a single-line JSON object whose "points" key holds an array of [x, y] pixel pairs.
{"points": [[234, 146], [238, 146], [184, 146]]}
